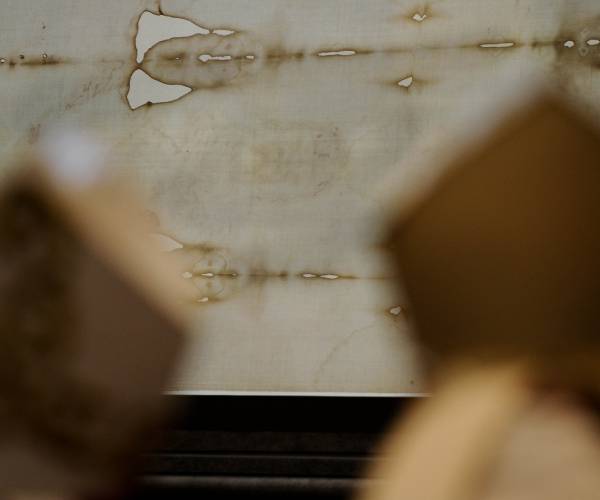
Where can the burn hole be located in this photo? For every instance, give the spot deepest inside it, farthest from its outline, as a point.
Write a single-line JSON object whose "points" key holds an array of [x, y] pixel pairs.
{"points": [[337, 53], [406, 82], [223, 32], [208, 57], [155, 28], [396, 311], [500, 45]]}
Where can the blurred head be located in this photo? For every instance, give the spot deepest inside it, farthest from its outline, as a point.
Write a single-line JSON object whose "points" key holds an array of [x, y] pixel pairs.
{"points": [[501, 258]]}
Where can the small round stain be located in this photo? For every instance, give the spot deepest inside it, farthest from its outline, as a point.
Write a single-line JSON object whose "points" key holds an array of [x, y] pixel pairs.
{"points": [[21, 56], [2, 60]]}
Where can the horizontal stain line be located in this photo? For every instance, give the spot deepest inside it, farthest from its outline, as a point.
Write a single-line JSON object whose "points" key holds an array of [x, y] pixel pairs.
{"points": [[347, 54], [280, 275], [49, 62], [9, 62]]}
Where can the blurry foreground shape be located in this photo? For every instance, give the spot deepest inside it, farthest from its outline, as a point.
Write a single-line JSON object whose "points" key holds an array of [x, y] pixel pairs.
{"points": [[500, 261], [500, 258], [486, 435], [91, 324]]}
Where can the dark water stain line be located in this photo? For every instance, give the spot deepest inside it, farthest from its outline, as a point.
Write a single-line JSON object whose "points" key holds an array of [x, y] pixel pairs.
{"points": [[228, 273], [278, 274], [210, 274], [39, 61], [33, 61], [261, 275], [326, 276], [211, 296], [203, 58], [552, 43], [279, 55], [325, 53], [348, 53]]}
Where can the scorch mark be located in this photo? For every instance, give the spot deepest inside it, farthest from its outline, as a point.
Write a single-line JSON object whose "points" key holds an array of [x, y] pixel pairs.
{"points": [[218, 68]]}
